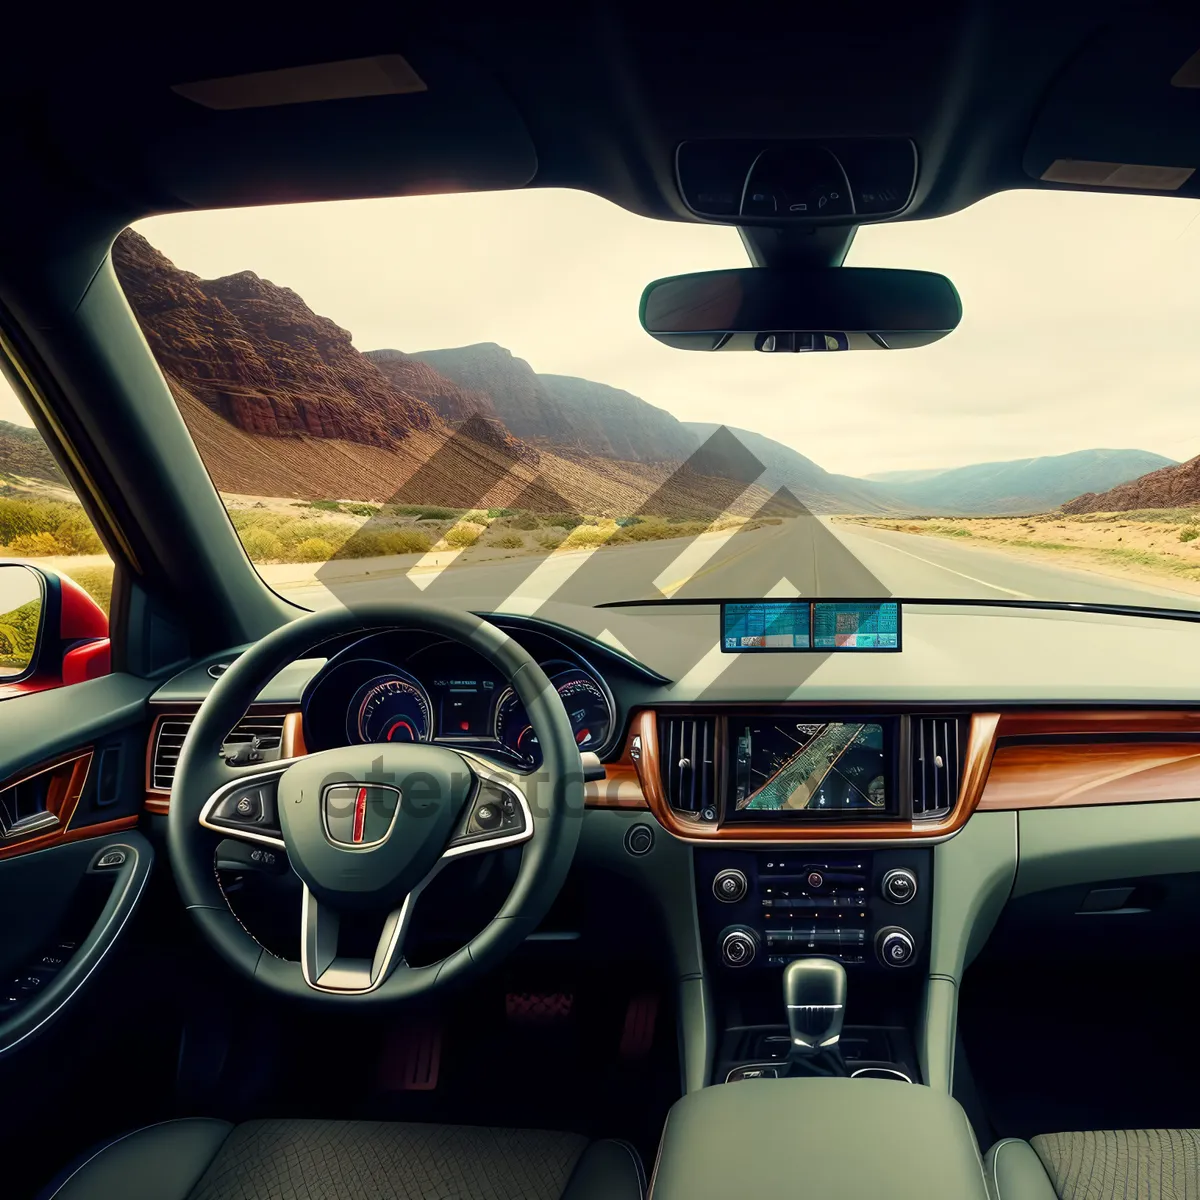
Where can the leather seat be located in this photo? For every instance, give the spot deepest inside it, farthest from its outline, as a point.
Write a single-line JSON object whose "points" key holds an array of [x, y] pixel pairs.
{"points": [[202, 1159], [1120, 1164]]}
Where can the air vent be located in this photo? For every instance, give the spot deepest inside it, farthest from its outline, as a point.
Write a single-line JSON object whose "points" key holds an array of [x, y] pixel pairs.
{"points": [[936, 766], [687, 746], [173, 730]]}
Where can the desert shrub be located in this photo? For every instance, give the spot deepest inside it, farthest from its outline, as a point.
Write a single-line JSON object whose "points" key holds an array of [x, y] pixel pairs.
{"points": [[625, 522], [477, 516], [459, 537], [374, 543], [36, 545], [261, 544], [325, 505], [562, 520], [501, 512], [1189, 535], [525, 520], [97, 582], [588, 535], [509, 541], [314, 549], [361, 510], [548, 539], [75, 532], [425, 512]]}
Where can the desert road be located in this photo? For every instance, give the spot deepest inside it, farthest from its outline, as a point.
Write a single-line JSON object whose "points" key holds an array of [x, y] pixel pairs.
{"points": [[807, 556]]}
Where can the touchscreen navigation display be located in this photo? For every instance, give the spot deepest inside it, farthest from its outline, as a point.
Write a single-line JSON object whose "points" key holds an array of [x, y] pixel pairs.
{"points": [[784, 764]]}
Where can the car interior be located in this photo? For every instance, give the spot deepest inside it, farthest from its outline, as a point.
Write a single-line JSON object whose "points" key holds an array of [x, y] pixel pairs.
{"points": [[405, 889]]}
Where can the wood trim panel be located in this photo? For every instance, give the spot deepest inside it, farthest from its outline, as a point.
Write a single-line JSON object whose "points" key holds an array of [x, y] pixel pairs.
{"points": [[1049, 723], [981, 742], [1074, 774], [70, 774]]}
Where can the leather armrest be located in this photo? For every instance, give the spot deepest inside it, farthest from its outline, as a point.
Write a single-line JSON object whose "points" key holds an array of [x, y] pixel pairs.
{"points": [[827, 1138]]}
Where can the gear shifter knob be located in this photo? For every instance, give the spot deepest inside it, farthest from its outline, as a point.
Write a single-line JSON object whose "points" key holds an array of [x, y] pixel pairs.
{"points": [[814, 991]]}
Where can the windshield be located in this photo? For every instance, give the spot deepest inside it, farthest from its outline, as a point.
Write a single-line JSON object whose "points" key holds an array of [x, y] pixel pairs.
{"points": [[451, 398]]}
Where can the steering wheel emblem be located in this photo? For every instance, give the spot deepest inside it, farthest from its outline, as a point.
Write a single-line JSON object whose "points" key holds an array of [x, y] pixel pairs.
{"points": [[359, 815]]}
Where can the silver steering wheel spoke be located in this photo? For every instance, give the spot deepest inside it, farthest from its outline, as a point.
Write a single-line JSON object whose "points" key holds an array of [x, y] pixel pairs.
{"points": [[246, 807], [325, 970]]}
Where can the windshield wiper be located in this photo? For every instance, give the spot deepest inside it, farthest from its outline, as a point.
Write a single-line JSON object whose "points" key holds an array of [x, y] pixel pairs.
{"points": [[1115, 610]]}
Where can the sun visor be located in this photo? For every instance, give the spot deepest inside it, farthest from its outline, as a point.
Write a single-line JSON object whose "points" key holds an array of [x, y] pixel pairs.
{"points": [[430, 121], [1118, 119]]}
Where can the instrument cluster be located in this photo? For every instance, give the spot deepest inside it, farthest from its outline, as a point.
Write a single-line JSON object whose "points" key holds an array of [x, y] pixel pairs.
{"points": [[390, 688]]}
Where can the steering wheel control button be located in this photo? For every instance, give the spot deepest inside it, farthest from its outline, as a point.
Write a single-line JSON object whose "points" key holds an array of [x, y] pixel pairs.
{"points": [[489, 816], [899, 886], [895, 946], [730, 886], [639, 840], [738, 948]]}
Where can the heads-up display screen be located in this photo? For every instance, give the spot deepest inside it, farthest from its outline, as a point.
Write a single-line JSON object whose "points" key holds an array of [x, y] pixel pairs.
{"points": [[789, 764], [767, 626]]}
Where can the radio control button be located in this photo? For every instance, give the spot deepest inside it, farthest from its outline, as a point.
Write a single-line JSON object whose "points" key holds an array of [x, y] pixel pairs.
{"points": [[895, 946], [898, 886], [730, 886], [815, 880], [738, 948]]}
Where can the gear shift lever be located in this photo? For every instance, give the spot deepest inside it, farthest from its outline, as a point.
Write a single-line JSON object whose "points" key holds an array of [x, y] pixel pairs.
{"points": [[814, 991]]}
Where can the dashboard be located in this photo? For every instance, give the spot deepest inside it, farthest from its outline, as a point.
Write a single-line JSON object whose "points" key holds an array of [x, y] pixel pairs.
{"points": [[399, 687]]}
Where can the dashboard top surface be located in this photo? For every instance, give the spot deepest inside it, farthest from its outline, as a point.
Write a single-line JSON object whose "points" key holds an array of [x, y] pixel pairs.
{"points": [[951, 654]]}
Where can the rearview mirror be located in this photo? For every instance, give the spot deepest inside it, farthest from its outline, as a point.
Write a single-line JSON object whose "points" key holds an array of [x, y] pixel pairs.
{"points": [[776, 310]]}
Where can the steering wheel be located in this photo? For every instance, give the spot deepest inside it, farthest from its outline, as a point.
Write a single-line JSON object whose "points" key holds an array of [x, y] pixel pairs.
{"points": [[366, 828]]}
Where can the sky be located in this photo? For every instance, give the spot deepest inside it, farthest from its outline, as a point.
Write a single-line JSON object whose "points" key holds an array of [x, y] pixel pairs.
{"points": [[1078, 330]]}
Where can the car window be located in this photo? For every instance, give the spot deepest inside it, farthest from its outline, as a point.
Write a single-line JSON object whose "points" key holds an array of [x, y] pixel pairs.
{"points": [[41, 519], [450, 397]]}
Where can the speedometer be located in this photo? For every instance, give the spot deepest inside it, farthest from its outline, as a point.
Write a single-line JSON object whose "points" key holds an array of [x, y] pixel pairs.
{"points": [[389, 708], [587, 706]]}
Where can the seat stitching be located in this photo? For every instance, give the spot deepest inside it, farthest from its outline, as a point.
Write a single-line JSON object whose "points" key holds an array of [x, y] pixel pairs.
{"points": [[638, 1169], [996, 1163]]}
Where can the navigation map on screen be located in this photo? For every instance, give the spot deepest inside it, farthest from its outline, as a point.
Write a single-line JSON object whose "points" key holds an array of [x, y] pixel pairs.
{"points": [[784, 765], [765, 625], [838, 625]]}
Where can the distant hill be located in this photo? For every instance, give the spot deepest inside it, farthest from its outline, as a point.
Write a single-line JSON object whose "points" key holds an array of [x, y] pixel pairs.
{"points": [[1175, 486], [903, 476], [1024, 484], [817, 489], [23, 455]]}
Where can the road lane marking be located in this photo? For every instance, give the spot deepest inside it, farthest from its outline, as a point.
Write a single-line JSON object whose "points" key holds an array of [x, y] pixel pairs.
{"points": [[951, 570], [672, 588]]}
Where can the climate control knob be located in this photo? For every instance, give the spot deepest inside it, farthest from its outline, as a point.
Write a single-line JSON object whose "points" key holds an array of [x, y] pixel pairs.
{"points": [[898, 886], [895, 946], [730, 886], [738, 947]]}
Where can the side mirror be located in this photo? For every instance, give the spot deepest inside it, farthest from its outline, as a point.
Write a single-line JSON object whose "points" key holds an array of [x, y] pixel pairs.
{"points": [[51, 631], [783, 311]]}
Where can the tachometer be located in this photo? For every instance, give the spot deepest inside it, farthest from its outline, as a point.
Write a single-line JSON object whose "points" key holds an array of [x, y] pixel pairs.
{"points": [[587, 707], [389, 708]]}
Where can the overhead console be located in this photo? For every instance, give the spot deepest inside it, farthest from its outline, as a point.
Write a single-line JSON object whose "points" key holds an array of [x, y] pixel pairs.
{"points": [[793, 773], [827, 182]]}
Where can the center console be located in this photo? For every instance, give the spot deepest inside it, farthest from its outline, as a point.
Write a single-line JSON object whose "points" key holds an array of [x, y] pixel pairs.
{"points": [[868, 910], [818, 1137]]}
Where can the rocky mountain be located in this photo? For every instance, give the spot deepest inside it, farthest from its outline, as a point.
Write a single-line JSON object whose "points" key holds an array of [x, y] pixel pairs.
{"points": [[817, 489], [1175, 486], [564, 412], [1024, 485], [257, 355], [23, 455]]}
